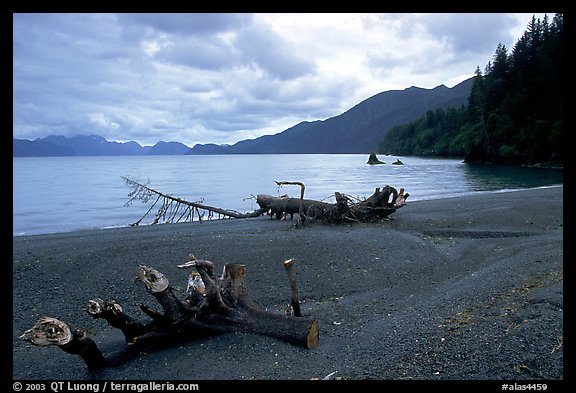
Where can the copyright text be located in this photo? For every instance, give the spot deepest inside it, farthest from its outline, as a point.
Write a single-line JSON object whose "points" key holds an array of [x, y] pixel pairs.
{"points": [[102, 387]]}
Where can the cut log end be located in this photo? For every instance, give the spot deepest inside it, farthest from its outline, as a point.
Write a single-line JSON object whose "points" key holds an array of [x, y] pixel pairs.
{"points": [[95, 307], [48, 331], [288, 263], [294, 302], [152, 279]]}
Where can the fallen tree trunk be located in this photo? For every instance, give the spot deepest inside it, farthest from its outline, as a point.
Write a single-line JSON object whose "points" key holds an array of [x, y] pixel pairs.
{"points": [[379, 206], [284, 206], [173, 209], [301, 204], [214, 305]]}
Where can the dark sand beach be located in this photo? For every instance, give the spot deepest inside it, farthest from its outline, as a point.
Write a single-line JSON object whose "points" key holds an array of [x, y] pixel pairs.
{"points": [[467, 288]]}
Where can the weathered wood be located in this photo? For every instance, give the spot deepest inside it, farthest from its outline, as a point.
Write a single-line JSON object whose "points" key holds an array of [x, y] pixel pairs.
{"points": [[171, 205], [214, 305], [301, 203], [400, 200], [51, 331], [113, 313], [280, 207], [294, 301], [378, 206]]}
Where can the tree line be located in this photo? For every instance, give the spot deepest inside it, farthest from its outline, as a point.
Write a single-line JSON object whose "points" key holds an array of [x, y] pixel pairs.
{"points": [[514, 113]]}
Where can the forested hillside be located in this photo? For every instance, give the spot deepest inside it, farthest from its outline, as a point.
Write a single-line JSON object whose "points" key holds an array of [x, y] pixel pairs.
{"points": [[358, 130], [514, 113]]}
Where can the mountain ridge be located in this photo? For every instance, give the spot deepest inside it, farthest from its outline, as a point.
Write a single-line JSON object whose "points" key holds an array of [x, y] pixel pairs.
{"points": [[359, 129], [90, 145]]}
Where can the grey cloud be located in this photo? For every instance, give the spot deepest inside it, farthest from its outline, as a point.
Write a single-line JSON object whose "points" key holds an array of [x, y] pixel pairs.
{"points": [[296, 97], [233, 122], [385, 62], [471, 32], [200, 85], [86, 35], [197, 53], [211, 75], [88, 73], [185, 24], [449, 42], [272, 54]]}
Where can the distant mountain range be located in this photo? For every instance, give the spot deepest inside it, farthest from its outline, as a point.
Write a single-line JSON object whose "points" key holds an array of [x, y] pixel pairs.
{"points": [[358, 130], [90, 145]]}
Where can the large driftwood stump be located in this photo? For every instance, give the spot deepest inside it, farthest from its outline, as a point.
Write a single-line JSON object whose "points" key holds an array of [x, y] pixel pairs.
{"points": [[383, 202], [213, 305]]}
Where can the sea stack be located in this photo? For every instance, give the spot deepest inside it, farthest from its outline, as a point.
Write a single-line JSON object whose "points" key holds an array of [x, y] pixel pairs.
{"points": [[373, 160]]}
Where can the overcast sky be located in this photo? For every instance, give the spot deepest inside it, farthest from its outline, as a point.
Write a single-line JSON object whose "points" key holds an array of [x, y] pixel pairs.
{"points": [[222, 78]]}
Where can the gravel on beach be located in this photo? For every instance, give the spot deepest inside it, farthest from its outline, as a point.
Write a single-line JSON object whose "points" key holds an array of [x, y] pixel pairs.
{"points": [[466, 288]]}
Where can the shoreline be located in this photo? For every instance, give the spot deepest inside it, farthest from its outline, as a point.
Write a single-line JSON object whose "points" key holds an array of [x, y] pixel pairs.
{"points": [[473, 193], [464, 288]]}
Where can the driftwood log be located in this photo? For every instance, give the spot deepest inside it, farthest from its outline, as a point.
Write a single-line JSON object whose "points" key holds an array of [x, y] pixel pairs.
{"points": [[213, 305], [171, 209], [378, 206]]}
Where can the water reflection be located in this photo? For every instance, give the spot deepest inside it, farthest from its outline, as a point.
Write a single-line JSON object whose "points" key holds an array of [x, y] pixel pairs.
{"points": [[497, 177]]}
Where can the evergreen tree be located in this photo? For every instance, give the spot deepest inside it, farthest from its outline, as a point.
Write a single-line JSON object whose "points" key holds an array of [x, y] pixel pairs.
{"points": [[515, 109]]}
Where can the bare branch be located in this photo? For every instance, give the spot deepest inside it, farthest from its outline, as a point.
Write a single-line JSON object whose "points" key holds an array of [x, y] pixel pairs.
{"points": [[170, 206], [302, 188]]}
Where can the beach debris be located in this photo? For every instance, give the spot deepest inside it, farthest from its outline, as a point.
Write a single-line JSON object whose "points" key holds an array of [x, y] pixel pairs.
{"points": [[329, 376], [326, 378], [213, 305], [300, 204], [173, 209], [195, 283], [401, 198], [383, 202], [48, 331], [294, 302]]}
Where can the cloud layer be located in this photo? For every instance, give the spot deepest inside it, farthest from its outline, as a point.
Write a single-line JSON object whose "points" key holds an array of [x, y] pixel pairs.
{"points": [[221, 78]]}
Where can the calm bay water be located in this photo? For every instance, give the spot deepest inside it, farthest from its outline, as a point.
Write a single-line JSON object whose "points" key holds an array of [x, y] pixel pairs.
{"points": [[63, 194]]}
